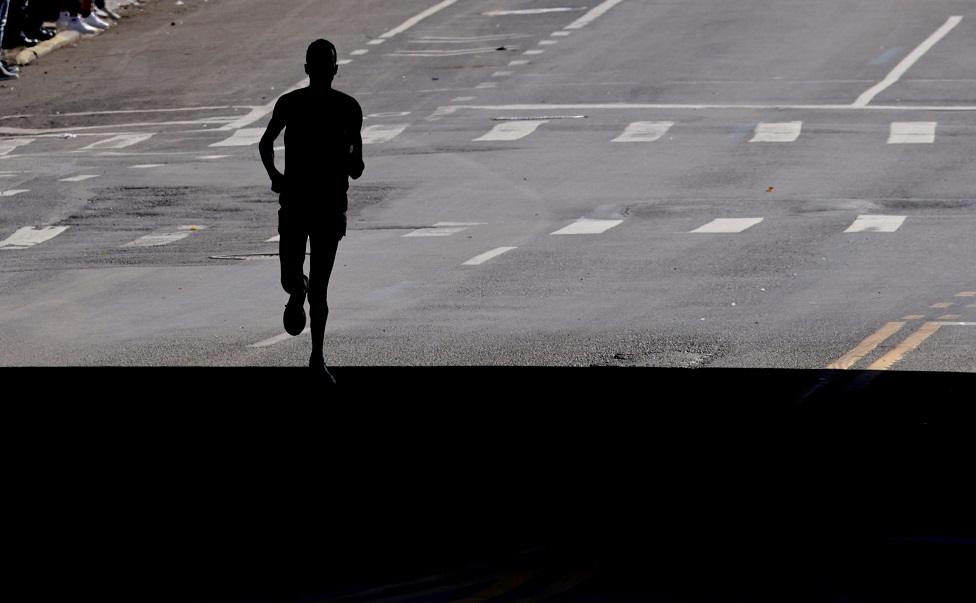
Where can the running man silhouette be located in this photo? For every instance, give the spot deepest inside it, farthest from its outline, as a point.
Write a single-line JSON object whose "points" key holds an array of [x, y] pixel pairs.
{"points": [[323, 149]]}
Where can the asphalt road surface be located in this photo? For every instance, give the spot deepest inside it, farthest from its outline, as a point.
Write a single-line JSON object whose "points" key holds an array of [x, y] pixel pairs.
{"points": [[675, 184]]}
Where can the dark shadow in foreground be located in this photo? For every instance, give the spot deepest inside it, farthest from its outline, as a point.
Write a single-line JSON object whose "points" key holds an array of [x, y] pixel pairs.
{"points": [[447, 484]]}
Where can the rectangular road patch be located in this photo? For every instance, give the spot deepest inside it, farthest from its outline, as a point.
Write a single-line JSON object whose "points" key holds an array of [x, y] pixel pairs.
{"points": [[912, 132], [242, 138], [727, 226], [30, 236], [644, 131], [120, 141], [381, 133], [787, 131], [512, 130], [874, 223], [585, 226]]}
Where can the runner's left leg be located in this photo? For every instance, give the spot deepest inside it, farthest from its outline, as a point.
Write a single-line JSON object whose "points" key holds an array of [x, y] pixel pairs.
{"points": [[324, 247]]}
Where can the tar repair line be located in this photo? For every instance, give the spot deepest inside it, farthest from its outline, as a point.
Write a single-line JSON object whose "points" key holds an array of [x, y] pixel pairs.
{"points": [[907, 63]]}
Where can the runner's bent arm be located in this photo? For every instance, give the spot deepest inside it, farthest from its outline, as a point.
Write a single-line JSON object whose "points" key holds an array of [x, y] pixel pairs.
{"points": [[356, 165], [266, 148]]}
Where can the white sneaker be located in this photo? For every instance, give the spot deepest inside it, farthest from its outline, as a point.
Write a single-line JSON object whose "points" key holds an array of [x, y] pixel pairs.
{"points": [[75, 23], [93, 21]]}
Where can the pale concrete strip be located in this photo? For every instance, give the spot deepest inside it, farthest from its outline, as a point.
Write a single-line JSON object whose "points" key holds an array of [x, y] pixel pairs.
{"points": [[29, 236], [901, 68], [787, 131], [907, 346], [528, 11], [7, 145], [409, 23], [488, 255], [867, 346], [644, 131], [120, 141], [912, 132], [381, 133], [242, 138], [727, 226], [511, 130], [14, 191], [875, 223], [160, 239], [585, 226], [278, 339], [79, 178], [594, 14]]}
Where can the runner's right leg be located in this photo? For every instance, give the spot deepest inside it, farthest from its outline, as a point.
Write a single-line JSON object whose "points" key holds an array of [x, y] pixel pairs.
{"points": [[291, 255]]}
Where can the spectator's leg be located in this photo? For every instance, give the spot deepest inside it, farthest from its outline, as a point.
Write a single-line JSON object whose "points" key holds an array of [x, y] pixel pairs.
{"points": [[4, 6]]}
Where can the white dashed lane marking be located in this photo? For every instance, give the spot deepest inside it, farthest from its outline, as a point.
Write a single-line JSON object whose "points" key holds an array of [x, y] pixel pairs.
{"points": [[14, 191], [278, 339], [8, 145], [358, 52], [146, 166], [876, 224], [528, 11], [212, 157], [488, 255], [120, 141], [382, 133], [727, 226], [165, 238], [29, 236], [512, 130], [644, 131], [79, 178], [912, 132], [534, 51], [585, 226], [442, 229], [787, 131], [242, 138], [594, 14]]}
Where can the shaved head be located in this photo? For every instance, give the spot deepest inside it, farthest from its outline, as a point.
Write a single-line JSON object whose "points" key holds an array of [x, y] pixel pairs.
{"points": [[321, 54]]}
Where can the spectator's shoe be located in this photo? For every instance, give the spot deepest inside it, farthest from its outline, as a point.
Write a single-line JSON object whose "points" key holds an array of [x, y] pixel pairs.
{"points": [[320, 372], [294, 317], [92, 20], [75, 23], [43, 33], [8, 72], [18, 41], [107, 13]]}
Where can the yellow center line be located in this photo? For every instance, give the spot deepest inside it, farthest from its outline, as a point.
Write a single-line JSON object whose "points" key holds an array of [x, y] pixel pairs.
{"points": [[867, 346], [910, 344]]}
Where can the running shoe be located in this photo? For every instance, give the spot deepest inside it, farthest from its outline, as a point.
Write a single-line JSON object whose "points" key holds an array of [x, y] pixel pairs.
{"points": [[294, 318]]}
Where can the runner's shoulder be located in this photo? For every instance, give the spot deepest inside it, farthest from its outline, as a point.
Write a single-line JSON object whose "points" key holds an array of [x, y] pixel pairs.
{"points": [[348, 101]]}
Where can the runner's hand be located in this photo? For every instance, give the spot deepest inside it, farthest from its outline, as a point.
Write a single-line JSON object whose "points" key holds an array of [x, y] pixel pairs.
{"points": [[278, 183]]}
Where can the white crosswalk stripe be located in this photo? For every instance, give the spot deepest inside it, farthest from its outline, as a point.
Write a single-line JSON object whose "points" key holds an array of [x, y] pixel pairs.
{"points": [[644, 131], [727, 226], [242, 138], [512, 130], [29, 236], [164, 238], [787, 131], [585, 226], [876, 223], [8, 145], [120, 141], [381, 133], [912, 132]]}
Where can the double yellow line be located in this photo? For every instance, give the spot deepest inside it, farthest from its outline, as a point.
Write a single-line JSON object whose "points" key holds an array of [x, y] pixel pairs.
{"points": [[895, 355]]}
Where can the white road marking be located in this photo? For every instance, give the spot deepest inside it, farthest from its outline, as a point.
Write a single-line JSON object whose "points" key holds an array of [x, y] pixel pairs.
{"points": [[727, 226], [518, 63], [561, 34], [511, 130], [359, 52], [380, 133], [343, 61], [119, 141], [464, 39], [10, 144], [29, 236], [585, 226], [533, 52], [258, 113], [375, 42], [912, 132], [486, 85], [79, 178], [502, 73], [787, 131], [14, 191], [165, 238], [446, 110], [907, 63], [463, 99], [528, 11], [242, 138], [388, 114], [146, 166], [417, 19], [875, 223], [278, 339], [644, 131], [548, 42], [274, 239], [594, 14], [131, 111], [441, 53], [212, 157], [442, 229], [488, 255]]}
